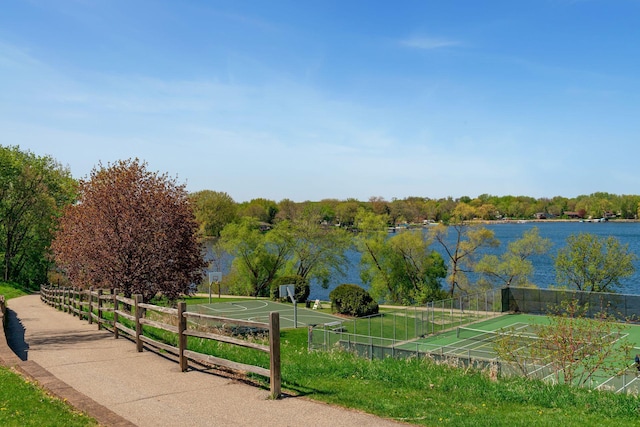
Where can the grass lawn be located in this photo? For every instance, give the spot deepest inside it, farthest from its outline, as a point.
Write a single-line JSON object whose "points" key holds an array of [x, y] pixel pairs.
{"points": [[11, 291], [23, 404]]}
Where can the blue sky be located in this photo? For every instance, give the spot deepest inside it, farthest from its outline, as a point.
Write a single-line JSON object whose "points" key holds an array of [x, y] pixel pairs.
{"points": [[307, 100]]}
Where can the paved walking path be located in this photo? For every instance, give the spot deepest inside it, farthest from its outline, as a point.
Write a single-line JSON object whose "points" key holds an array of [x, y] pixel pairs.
{"points": [[120, 387]]}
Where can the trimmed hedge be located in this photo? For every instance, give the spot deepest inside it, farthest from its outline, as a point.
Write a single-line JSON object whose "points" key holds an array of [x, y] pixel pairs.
{"points": [[352, 300], [301, 288]]}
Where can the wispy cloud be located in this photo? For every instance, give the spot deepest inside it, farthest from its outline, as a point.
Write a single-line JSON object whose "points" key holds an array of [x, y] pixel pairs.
{"points": [[428, 43]]}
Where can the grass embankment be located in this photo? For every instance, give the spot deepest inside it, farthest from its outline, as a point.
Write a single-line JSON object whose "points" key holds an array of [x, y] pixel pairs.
{"points": [[22, 403], [10, 290], [424, 393]]}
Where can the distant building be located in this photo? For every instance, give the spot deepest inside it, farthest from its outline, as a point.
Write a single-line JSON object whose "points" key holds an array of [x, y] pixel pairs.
{"points": [[572, 215]]}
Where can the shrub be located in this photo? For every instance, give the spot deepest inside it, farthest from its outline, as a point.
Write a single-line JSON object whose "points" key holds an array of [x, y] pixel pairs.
{"points": [[352, 300], [301, 288]]}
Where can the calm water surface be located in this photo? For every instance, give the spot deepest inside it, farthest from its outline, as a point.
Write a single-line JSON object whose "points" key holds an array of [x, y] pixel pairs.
{"points": [[544, 272]]}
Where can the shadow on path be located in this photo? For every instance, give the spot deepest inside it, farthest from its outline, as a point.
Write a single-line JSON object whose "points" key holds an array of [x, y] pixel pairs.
{"points": [[15, 335]]}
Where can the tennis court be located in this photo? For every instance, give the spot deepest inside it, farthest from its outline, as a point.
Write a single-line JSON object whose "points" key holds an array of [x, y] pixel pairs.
{"points": [[477, 343], [258, 311]]}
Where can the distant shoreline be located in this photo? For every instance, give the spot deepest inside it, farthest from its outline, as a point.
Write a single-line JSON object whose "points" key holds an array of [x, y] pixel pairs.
{"points": [[524, 221]]}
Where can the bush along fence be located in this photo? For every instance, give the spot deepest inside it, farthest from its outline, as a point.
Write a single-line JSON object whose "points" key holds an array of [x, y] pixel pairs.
{"points": [[119, 314]]}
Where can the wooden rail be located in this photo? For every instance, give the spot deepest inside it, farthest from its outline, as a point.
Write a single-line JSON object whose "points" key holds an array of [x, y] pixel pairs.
{"points": [[92, 305]]}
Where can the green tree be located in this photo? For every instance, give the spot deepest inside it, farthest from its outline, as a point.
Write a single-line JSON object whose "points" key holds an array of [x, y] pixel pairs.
{"points": [[263, 210], [346, 212], [513, 267], [259, 257], [213, 210], [400, 269], [628, 206], [288, 210], [461, 250], [327, 208], [33, 192], [317, 251], [132, 229], [593, 264]]}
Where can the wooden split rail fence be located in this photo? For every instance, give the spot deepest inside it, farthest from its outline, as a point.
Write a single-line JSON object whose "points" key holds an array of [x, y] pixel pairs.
{"points": [[92, 305]]}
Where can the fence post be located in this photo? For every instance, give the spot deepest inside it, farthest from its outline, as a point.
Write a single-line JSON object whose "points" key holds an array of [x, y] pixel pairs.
{"points": [[182, 336], [137, 301], [115, 313], [99, 309], [310, 338], [274, 352], [90, 295]]}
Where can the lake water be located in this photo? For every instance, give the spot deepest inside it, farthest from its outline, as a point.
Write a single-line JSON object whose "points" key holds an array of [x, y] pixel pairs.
{"points": [[544, 271]]}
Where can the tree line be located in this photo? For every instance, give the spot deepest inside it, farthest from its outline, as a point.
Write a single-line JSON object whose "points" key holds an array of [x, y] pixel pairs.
{"points": [[126, 227], [214, 209]]}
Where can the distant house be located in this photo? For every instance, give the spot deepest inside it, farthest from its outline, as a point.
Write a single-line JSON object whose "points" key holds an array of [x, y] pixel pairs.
{"points": [[540, 215], [572, 215]]}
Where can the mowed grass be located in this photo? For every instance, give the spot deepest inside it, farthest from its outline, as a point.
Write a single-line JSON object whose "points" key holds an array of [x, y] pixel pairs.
{"points": [[24, 404], [11, 290], [424, 393]]}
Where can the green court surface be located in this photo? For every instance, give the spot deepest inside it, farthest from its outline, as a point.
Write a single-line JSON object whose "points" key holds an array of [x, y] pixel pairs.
{"points": [[449, 343], [258, 311], [477, 347]]}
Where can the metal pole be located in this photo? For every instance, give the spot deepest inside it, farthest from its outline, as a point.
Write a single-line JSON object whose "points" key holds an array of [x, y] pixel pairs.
{"points": [[210, 282], [295, 313]]}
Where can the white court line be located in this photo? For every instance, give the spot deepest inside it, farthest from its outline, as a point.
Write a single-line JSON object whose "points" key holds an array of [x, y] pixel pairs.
{"points": [[481, 343], [262, 305], [239, 307]]}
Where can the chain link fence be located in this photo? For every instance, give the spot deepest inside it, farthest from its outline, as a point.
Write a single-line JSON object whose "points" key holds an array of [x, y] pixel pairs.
{"points": [[623, 307], [389, 334]]}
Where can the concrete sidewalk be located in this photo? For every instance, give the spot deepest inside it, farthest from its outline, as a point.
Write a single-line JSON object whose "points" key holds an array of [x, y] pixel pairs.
{"points": [[119, 386]]}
